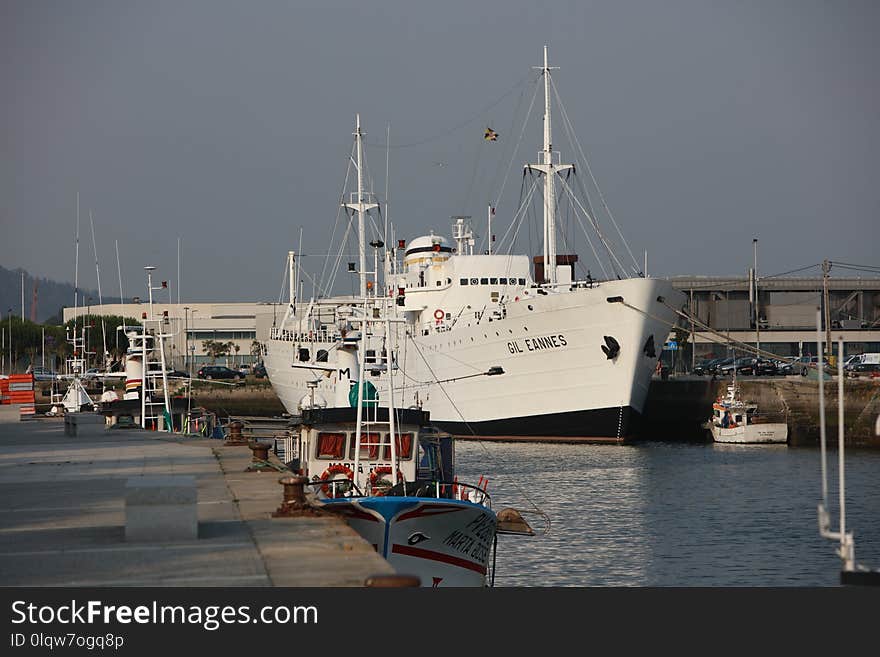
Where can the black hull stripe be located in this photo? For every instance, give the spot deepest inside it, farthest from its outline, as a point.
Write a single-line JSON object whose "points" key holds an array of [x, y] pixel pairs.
{"points": [[598, 425]]}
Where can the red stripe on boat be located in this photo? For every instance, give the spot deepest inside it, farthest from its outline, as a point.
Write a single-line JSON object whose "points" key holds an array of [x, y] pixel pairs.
{"points": [[421, 553], [433, 510]]}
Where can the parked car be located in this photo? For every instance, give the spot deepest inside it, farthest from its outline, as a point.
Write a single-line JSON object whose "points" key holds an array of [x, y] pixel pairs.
{"points": [[219, 372], [244, 369], [865, 369], [715, 367], [851, 361], [260, 371], [803, 365], [743, 365], [177, 374], [765, 367], [706, 366], [796, 366]]}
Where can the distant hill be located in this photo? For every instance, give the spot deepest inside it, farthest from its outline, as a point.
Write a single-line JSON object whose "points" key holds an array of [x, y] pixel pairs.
{"points": [[52, 296]]}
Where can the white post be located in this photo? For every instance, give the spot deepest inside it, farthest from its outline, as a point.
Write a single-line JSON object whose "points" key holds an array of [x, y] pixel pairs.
{"points": [[822, 412], [847, 551]]}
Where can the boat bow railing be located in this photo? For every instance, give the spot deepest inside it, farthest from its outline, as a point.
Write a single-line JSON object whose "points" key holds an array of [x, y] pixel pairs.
{"points": [[449, 490]]}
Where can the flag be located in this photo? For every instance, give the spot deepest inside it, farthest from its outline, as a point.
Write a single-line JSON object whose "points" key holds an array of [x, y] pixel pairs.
{"points": [[490, 135]]}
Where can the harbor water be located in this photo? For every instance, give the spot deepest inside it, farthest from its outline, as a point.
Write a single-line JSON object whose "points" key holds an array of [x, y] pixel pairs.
{"points": [[671, 514]]}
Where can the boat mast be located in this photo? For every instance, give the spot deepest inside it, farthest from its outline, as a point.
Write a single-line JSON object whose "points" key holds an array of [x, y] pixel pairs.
{"points": [[361, 206], [549, 170]]}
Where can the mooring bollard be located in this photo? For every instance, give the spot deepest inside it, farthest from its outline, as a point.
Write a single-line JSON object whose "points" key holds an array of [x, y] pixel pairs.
{"points": [[392, 581], [235, 438], [260, 458], [294, 502]]}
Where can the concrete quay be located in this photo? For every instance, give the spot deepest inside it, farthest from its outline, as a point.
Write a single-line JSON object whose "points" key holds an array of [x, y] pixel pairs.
{"points": [[63, 516]]}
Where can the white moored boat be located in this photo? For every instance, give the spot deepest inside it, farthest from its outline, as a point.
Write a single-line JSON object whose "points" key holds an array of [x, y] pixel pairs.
{"points": [[490, 348], [737, 421]]}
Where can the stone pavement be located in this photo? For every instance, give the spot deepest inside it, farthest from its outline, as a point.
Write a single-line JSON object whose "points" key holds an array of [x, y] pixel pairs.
{"points": [[62, 516]]}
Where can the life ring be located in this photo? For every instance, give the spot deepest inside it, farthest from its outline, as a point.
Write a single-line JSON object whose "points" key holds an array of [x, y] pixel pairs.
{"points": [[334, 470], [439, 315], [376, 475]]}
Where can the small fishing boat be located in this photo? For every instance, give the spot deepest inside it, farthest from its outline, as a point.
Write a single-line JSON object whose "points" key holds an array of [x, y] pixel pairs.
{"points": [[424, 521], [391, 474], [735, 420]]}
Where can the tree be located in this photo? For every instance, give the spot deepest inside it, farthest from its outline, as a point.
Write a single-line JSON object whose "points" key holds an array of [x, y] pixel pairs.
{"points": [[215, 349]]}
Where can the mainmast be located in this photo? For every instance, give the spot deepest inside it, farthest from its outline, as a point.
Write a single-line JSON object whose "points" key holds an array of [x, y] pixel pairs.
{"points": [[549, 169], [361, 206]]}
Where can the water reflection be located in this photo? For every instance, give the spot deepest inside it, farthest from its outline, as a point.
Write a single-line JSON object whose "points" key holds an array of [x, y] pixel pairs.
{"points": [[662, 514]]}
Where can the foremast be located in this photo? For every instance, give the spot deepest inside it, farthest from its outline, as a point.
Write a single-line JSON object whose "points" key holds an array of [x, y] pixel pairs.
{"points": [[550, 171], [360, 206]]}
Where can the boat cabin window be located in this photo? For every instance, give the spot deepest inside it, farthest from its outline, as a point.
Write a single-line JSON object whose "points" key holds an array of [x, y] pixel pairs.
{"points": [[321, 356], [738, 418], [475, 281], [369, 446], [493, 281], [304, 354], [522, 281], [463, 281], [484, 281], [502, 281], [429, 462], [404, 444], [330, 445]]}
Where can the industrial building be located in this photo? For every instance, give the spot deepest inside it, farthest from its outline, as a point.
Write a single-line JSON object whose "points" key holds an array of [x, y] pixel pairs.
{"points": [[192, 324], [780, 317]]}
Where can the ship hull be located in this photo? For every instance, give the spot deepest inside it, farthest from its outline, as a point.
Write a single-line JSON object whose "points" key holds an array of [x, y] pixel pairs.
{"points": [[604, 425], [558, 383], [443, 542]]}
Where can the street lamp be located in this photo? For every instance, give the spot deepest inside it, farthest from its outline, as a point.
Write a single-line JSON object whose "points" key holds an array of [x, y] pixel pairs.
{"points": [[757, 318], [192, 353], [186, 338]]}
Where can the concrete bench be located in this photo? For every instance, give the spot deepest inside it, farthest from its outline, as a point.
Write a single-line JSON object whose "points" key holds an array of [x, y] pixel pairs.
{"points": [[161, 508], [84, 424]]}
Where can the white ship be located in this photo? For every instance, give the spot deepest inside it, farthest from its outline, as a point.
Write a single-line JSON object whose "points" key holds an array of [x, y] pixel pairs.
{"points": [[492, 350]]}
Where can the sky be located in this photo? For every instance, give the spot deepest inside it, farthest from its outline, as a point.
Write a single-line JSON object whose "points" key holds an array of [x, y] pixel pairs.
{"points": [[227, 127]]}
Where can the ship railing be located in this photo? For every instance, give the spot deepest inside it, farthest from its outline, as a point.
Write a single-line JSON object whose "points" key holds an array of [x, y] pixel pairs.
{"points": [[321, 335], [448, 490]]}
